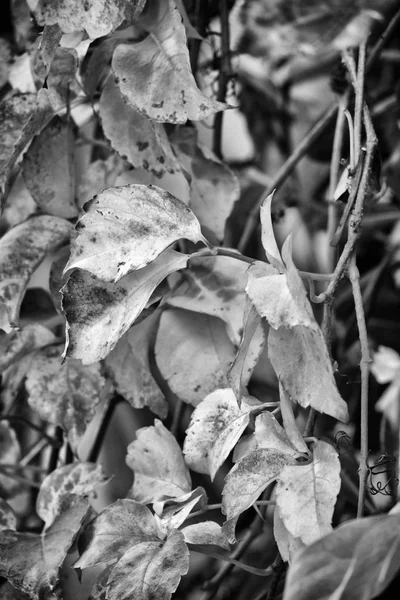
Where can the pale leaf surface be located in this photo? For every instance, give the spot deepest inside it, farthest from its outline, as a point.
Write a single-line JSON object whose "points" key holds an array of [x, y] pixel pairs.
{"points": [[126, 228], [98, 313], [22, 249], [287, 544], [8, 520], [296, 286], [155, 76], [306, 494], [289, 422], [10, 453], [385, 366], [99, 176], [116, 529], [170, 514], [19, 343], [269, 434], [268, 235], [205, 533], [150, 570], [157, 462], [216, 425]]}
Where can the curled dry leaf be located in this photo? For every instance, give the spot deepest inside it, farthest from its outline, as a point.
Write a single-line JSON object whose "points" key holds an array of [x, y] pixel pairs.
{"points": [[136, 138], [99, 313], [309, 490], [216, 425], [170, 514], [22, 249], [126, 228], [160, 470], [154, 75], [19, 343], [8, 520]]}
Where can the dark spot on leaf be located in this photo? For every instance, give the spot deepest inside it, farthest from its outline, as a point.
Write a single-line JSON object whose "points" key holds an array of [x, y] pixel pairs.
{"points": [[145, 164], [142, 145], [161, 159], [93, 239], [158, 104]]}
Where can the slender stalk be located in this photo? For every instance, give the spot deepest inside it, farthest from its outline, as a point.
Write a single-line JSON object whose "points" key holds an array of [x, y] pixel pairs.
{"points": [[56, 443], [106, 416], [225, 72], [359, 103], [176, 416], [55, 452]]}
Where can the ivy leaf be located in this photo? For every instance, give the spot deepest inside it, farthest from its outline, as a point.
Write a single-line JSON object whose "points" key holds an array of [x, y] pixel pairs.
{"points": [[150, 570], [96, 17], [49, 170], [309, 490], [126, 228], [286, 542], [207, 533], [98, 313], [80, 479], [216, 425], [358, 560], [22, 249], [154, 75], [10, 453], [193, 353], [156, 459], [129, 367], [18, 344], [31, 562], [248, 479], [135, 137], [214, 188], [117, 528], [171, 513], [64, 395], [8, 520], [269, 434]]}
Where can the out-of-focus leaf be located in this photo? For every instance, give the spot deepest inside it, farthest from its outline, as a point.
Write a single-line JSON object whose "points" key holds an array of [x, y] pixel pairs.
{"points": [[216, 425], [49, 172], [8, 519], [385, 366], [117, 528], [100, 175], [171, 513], [150, 570], [96, 17], [10, 453], [65, 395], [99, 313], [19, 205], [19, 343], [22, 249], [126, 228], [193, 353], [61, 80], [205, 533], [214, 188], [287, 544], [135, 137], [292, 431], [12, 380], [357, 560], [80, 479], [157, 462], [154, 75], [309, 490], [31, 562], [174, 183]]}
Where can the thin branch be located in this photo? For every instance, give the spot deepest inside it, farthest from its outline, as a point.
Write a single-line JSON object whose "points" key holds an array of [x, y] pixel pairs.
{"points": [[6, 473], [359, 103], [56, 443], [176, 416], [225, 72], [383, 40], [105, 419]]}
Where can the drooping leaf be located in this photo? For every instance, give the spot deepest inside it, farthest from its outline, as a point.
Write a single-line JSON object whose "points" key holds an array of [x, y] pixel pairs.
{"points": [[65, 395], [99, 313], [80, 479], [268, 236], [19, 343], [30, 561], [8, 519], [269, 434], [22, 249], [205, 533], [214, 189], [357, 560], [10, 453], [310, 490], [135, 137], [49, 171], [292, 431], [171, 513], [216, 425], [96, 17], [157, 462], [129, 367], [150, 570], [126, 228], [154, 74], [117, 528], [286, 542], [193, 353]]}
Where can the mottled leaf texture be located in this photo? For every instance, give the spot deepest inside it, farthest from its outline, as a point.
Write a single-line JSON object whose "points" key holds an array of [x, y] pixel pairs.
{"points": [[357, 561], [249, 478], [80, 479], [8, 519], [306, 494], [214, 189], [10, 453], [269, 434], [118, 527], [129, 367], [31, 562], [22, 249], [216, 425], [173, 512], [99, 313], [157, 462], [301, 361], [96, 17], [136, 138], [205, 533], [287, 544], [19, 343], [65, 395], [268, 235], [151, 570], [125, 228], [154, 75], [49, 170], [193, 353]]}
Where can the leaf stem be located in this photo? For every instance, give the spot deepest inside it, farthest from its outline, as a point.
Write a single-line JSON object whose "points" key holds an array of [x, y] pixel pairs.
{"points": [[106, 416]]}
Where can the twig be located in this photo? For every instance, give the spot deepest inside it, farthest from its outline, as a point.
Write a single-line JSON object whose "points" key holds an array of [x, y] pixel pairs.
{"points": [[56, 443], [359, 103], [107, 413], [33, 452], [383, 40], [19, 478], [225, 72], [55, 451], [176, 416], [354, 276]]}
